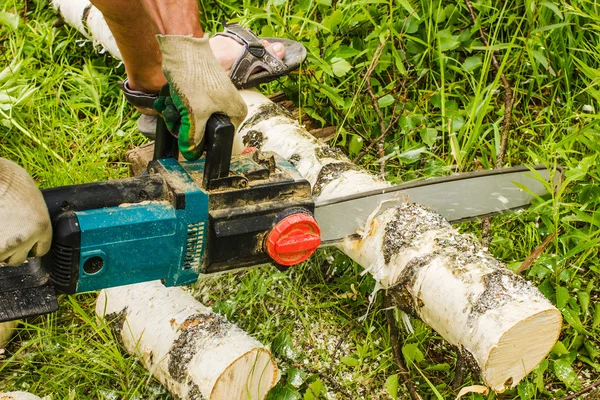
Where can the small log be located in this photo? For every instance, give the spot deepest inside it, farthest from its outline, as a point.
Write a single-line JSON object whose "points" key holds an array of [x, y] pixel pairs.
{"points": [[194, 352], [89, 21], [18, 396], [503, 325]]}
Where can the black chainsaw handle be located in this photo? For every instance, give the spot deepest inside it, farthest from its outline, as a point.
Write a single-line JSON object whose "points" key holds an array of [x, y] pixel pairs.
{"points": [[89, 196], [217, 141]]}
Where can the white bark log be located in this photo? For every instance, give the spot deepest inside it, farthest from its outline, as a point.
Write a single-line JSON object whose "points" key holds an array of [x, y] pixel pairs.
{"points": [[6, 331], [88, 20], [501, 323], [191, 350], [498, 320], [18, 396]]}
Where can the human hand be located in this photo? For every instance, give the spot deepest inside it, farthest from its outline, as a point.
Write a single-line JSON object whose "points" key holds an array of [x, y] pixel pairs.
{"points": [[25, 228], [199, 87]]}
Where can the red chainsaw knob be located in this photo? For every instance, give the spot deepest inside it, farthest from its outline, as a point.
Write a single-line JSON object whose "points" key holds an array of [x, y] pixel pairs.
{"points": [[249, 150], [293, 239]]}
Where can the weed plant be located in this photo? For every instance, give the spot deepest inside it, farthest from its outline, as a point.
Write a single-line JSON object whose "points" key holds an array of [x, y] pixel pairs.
{"points": [[414, 73]]}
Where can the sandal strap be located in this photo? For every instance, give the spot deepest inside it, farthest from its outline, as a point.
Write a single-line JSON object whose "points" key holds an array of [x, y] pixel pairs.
{"points": [[246, 38], [140, 100], [255, 55]]}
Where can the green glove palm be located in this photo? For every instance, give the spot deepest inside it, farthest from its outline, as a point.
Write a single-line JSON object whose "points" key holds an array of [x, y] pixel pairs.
{"points": [[199, 87]]}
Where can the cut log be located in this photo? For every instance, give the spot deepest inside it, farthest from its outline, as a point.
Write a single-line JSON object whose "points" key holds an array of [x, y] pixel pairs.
{"points": [[18, 396], [501, 323], [190, 349], [88, 20], [6, 331]]}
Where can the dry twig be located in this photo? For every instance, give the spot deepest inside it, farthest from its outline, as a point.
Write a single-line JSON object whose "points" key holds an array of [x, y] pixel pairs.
{"points": [[582, 391], [403, 373], [382, 125], [536, 253]]}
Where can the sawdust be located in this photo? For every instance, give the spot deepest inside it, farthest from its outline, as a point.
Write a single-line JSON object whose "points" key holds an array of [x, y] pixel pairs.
{"points": [[408, 225], [253, 138]]}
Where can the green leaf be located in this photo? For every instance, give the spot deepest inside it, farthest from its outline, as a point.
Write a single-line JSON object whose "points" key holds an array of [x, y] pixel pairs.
{"points": [[472, 63], [350, 361], [284, 392], [385, 101], [457, 123], [596, 315], [331, 95], [447, 41], [412, 155], [553, 7], [295, 377], [355, 145], [589, 362], [564, 372], [314, 390], [282, 346], [562, 296], [538, 372], [333, 20], [412, 24], [572, 318], [346, 52], [584, 301], [559, 349], [445, 367], [411, 353], [526, 390], [429, 136], [409, 8], [10, 20], [540, 58], [592, 350], [391, 385], [340, 67]]}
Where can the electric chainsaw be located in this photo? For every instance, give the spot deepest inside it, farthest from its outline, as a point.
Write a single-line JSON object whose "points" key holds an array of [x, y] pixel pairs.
{"points": [[219, 213]]}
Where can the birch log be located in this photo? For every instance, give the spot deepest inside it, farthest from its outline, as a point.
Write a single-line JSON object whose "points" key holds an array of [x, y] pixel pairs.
{"points": [[191, 350], [18, 396], [88, 20], [501, 323]]}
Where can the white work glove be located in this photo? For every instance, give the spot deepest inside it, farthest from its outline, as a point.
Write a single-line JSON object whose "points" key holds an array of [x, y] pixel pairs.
{"points": [[199, 87], [25, 227]]}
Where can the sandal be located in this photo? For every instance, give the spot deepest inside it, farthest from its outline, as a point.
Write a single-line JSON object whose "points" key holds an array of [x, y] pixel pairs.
{"points": [[257, 65], [144, 103]]}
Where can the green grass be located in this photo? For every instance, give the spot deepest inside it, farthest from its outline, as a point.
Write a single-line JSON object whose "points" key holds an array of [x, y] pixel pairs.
{"points": [[63, 118]]}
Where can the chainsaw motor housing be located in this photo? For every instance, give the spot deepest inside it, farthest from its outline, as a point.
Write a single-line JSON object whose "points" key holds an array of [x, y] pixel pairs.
{"points": [[177, 221], [185, 231]]}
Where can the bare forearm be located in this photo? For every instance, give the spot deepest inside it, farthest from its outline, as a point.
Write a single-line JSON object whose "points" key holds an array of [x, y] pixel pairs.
{"points": [[174, 17]]}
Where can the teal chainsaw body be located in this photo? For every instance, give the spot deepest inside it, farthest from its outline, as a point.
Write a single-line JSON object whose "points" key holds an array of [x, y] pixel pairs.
{"points": [[131, 243], [177, 221]]}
